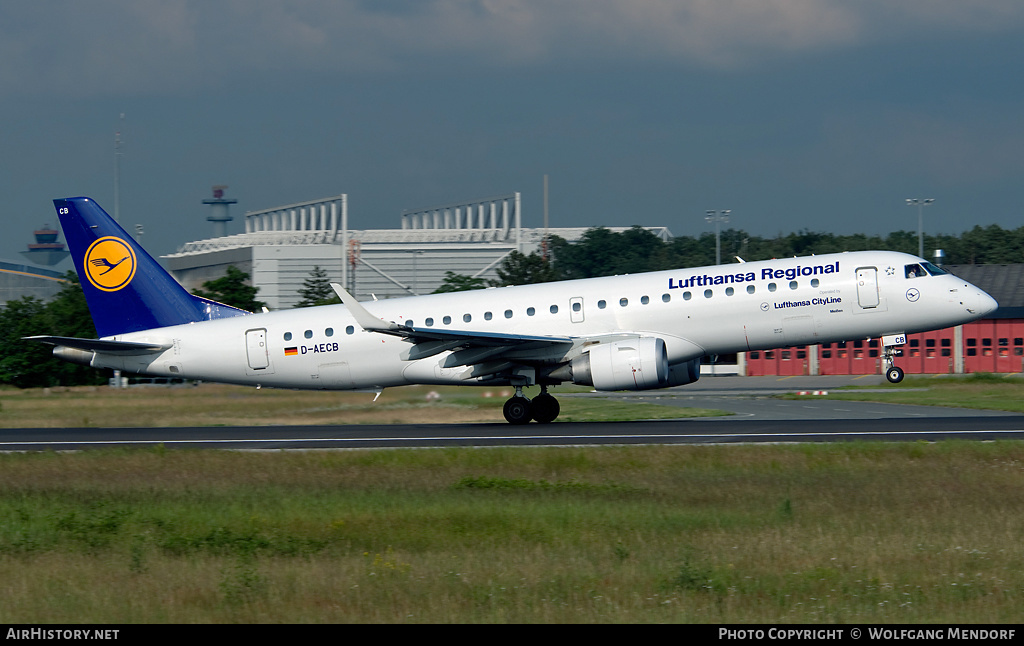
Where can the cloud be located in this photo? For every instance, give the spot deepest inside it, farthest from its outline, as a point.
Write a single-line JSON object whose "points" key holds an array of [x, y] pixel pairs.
{"points": [[153, 46]]}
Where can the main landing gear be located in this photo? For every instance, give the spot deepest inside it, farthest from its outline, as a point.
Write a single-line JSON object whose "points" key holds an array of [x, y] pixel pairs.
{"points": [[519, 409]]}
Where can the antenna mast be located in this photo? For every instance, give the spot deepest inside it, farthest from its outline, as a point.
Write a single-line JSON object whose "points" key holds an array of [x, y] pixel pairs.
{"points": [[117, 171], [544, 242]]}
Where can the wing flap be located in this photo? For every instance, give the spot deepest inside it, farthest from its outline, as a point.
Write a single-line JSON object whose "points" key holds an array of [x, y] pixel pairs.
{"points": [[430, 341]]}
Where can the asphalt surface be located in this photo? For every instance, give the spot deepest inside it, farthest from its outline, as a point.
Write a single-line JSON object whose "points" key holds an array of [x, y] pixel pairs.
{"points": [[758, 418]]}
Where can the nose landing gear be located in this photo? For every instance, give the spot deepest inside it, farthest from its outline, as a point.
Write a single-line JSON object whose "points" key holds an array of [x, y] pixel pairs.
{"points": [[519, 409], [894, 374], [889, 354]]}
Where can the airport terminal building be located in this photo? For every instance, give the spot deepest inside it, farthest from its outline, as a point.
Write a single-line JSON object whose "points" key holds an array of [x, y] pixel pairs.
{"points": [[18, 280], [37, 278], [282, 245]]}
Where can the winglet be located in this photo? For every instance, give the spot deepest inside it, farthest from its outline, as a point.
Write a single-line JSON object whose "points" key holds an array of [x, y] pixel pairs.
{"points": [[365, 320]]}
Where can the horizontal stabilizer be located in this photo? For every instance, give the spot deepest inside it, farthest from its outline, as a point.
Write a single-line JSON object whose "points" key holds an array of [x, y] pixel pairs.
{"points": [[98, 345]]}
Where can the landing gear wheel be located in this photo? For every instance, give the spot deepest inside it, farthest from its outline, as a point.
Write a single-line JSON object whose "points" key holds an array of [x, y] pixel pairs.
{"points": [[518, 410], [545, 408], [894, 375]]}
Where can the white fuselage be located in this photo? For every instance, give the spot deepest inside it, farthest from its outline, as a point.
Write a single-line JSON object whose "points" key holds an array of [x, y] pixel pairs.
{"points": [[697, 311]]}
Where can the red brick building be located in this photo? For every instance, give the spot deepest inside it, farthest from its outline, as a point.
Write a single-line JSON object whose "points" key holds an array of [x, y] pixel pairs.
{"points": [[993, 344]]}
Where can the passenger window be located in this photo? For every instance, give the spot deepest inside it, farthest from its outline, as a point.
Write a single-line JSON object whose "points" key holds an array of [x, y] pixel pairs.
{"points": [[793, 284], [576, 307], [601, 305], [530, 311], [330, 331], [554, 309], [815, 282], [623, 302], [687, 296], [508, 314], [644, 300], [751, 289], [772, 287], [447, 320], [729, 291], [708, 293], [487, 316], [308, 334], [429, 322], [287, 336], [350, 330], [467, 318], [666, 298]]}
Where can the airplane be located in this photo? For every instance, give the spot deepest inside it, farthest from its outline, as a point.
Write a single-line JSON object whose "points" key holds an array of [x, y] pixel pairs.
{"points": [[632, 332]]}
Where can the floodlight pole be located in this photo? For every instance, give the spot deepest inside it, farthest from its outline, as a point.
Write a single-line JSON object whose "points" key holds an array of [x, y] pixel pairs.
{"points": [[920, 203], [718, 217]]}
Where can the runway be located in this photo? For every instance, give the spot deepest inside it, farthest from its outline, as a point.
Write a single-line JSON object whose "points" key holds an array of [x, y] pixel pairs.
{"points": [[483, 435], [758, 418]]}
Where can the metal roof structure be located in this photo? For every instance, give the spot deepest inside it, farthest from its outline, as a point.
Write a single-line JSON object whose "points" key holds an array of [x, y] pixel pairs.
{"points": [[529, 238], [282, 245]]}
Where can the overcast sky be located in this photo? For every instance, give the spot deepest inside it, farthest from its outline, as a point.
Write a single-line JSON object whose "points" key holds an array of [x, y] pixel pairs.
{"points": [[822, 115]]}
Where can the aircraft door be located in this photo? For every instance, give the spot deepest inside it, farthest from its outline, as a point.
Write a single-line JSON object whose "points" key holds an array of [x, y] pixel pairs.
{"points": [[867, 287], [256, 348], [576, 309]]}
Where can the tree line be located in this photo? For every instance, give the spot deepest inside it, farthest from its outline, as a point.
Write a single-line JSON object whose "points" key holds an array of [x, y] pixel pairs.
{"points": [[600, 252]]}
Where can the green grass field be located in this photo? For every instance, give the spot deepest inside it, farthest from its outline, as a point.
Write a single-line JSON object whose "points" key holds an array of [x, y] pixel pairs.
{"points": [[857, 532], [979, 390], [849, 532], [221, 405]]}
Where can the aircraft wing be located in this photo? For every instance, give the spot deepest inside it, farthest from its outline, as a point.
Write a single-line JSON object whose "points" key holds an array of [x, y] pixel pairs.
{"points": [[97, 345], [429, 342]]}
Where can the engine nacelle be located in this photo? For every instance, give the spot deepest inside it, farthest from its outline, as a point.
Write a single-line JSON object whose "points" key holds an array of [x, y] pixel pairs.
{"points": [[632, 364], [684, 373]]}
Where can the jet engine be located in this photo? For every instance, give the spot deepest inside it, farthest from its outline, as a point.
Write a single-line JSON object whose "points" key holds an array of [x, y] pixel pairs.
{"points": [[684, 373], [631, 364]]}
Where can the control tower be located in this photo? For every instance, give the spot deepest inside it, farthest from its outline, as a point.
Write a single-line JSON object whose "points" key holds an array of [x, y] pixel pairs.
{"points": [[46, 250], [219, 211]]}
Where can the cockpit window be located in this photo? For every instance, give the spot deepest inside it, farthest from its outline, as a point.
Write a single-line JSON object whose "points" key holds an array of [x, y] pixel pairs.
{"points": [[913, 271], [934, 270]]}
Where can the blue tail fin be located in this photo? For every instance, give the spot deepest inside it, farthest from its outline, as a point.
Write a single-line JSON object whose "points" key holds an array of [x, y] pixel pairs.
{"points": [[126, 289]]}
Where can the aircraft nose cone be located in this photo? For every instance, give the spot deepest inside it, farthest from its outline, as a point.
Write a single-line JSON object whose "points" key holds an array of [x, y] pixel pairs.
{"points": [[985, 304]]}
